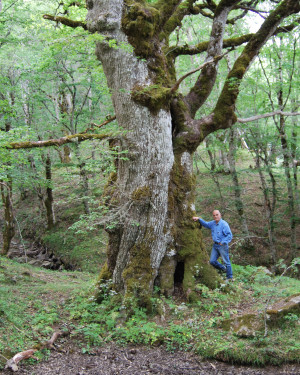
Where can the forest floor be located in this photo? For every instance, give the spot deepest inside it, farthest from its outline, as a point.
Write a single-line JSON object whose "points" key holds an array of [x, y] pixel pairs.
{"points": [[138, 360], [35, 302]]}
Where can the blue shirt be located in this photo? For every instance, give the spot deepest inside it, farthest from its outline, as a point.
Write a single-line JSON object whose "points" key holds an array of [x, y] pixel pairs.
{"points": [[220, 231]]}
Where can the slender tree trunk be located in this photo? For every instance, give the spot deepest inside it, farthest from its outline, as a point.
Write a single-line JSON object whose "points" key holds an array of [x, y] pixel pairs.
{"points": [[212, 156], [49, 194], [64, 109], [291, 201], [223, 161], [287, 160], [269, 210], [6, 195], [66, 155], [84, 181], [293, 150], [237, 190], [215, 177], [9, 224]]}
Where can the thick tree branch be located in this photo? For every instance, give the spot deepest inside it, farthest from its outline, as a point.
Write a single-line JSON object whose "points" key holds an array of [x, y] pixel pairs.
{"points": [[190, 136], [173, 18], [59, 141], [245, 7], [206, 80], [214, 60], [196, 131], [166, 9], [65, 21], [224, 113], [265, 115], [232, 42], [192, 132]]}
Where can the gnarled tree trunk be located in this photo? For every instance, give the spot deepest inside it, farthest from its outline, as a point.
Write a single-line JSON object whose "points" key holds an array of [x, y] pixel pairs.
{"points": [[154, 187], [154, 240]]}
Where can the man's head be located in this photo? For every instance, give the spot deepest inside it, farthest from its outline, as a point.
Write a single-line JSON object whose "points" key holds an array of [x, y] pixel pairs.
{"points": [[216, 215]]}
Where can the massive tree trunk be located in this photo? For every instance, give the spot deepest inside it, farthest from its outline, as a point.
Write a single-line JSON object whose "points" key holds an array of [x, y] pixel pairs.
{"points": [[154, 187], [154, 240]]}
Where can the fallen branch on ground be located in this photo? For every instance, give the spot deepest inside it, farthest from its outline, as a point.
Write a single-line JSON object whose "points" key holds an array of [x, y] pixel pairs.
{"points": [[13, 362]]}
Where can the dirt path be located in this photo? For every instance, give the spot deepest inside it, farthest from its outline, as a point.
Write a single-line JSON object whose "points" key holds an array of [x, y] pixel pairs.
{"points": [[113, 360]]}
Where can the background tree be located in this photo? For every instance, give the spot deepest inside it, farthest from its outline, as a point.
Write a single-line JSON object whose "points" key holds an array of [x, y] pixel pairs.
{"points": [[48, 93], [285, 92]]}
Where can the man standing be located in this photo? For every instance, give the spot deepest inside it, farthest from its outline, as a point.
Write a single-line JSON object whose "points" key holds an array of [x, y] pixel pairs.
{"points": [[221, 235]]}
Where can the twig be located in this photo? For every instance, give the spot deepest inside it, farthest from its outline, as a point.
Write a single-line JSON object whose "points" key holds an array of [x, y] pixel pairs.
{"points": [[242, 239], [3, 357], [110, 119]]}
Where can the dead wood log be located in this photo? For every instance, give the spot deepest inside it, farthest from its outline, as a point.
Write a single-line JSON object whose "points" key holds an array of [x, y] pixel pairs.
{"points": [[12, 363]]}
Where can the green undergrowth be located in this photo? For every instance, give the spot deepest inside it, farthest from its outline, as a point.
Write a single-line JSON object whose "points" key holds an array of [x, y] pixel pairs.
{"points": [[32, 304], [36, 302], [197, 327], [84, 252]]}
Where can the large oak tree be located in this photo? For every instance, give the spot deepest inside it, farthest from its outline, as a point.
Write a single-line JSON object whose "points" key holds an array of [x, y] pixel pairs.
{"points": [[152, 194], [151, 197]]}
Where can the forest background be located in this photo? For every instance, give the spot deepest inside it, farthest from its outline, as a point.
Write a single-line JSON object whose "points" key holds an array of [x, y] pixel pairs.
{"points": [[52, 87]]}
